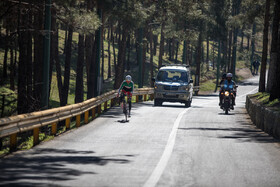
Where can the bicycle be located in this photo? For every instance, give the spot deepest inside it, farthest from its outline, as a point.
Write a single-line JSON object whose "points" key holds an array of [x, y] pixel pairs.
{"points": [[124, 105]]}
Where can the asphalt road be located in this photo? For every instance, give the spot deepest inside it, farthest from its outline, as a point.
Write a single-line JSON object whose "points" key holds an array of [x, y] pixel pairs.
{"points": [[160, 146]]}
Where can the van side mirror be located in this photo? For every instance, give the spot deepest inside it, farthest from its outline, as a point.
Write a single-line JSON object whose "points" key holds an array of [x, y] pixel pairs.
{"points": [[191, 81]]}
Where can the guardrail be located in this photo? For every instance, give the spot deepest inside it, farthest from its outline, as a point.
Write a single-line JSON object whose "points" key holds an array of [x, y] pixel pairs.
{"points": [[10, 126]]}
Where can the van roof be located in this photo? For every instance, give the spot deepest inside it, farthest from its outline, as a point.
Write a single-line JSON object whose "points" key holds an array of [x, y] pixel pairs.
{"points": [[175, 67]]}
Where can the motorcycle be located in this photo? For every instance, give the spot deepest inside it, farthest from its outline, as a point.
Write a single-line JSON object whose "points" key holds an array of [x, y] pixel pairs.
{"points": [[227, 102]]}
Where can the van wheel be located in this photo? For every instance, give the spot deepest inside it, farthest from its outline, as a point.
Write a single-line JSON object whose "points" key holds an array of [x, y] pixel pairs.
{"points": [[188, 104], [157, 102]]}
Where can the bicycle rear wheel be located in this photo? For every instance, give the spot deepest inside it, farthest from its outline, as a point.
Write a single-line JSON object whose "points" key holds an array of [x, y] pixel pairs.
{"points": [[125, 110]]}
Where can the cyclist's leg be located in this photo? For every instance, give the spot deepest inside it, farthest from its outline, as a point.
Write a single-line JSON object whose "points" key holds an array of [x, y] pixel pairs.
{"points": [[129, 105], [121, 99]]}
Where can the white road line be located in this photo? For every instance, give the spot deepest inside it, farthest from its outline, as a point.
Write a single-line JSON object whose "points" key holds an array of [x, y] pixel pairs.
{"points": [[249, 92], [155, 176]]}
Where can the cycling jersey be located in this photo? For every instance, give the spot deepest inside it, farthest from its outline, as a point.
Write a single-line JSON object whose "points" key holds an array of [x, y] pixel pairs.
{"points": [[126, 87]]}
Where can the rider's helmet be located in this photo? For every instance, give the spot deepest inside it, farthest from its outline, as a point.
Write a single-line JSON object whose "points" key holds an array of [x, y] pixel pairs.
{"points": [[229, 75], [128, 78]]}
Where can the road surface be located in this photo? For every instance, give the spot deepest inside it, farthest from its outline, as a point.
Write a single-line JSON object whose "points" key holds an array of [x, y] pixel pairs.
{"points": [[160, 146]]}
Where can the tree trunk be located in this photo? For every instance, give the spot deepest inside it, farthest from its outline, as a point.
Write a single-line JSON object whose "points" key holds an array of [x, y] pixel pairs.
{"points": [[22, 82], [252, 58], [213, 51], [229, 51], [54, 48], [102, 52], [88, 50], [207, 53], [248, 42], [273, 82], [155, 38], [79, 91], [65, 88], [12, 69], [109, 56], [242, 41], [57, 65], [5, 66], [161, 47], [170, 49], [265, 46], [225, 54], [38, 58], [144, 55], [233, 58], [65, 40], [128, 53], [151, 58], [176, 54], [114, 51], [198, 60], [121, 59], [29, 69], [92, 71]]}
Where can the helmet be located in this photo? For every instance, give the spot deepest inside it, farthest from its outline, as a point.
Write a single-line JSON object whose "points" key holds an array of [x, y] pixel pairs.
{"points": [[128, 78], [229, 75]]}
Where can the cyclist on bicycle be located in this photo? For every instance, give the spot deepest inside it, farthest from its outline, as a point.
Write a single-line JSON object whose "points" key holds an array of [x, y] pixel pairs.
{"points": [[126, 88]]}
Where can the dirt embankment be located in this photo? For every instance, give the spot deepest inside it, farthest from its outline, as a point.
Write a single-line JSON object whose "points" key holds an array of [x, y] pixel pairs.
{"points": [[243, 73]]}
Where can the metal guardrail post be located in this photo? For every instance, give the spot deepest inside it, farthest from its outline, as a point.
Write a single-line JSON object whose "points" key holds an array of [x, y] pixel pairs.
{"points": [[145, 97], [112, 102], [13, 142], [105, 105], [152, 96], [35, 136], [54, 128], [67, 123], [99, 109], [78, 120], [93, 113], [137, 98], [86, 116]]}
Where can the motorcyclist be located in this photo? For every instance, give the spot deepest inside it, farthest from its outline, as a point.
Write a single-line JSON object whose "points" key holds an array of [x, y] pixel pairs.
{"points": [[126, 88], [230, 84]]}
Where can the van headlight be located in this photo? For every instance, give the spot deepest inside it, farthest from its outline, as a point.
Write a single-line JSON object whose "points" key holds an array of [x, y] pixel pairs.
{"points": [[158, 86], [183, 88]]}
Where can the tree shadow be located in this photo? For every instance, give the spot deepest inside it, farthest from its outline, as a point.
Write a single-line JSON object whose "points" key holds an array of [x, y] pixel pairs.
{"points": [[245, 134], [50, 165]]}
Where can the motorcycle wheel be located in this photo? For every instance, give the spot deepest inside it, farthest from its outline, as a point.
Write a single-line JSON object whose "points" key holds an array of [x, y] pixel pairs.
{"points": [[226, 111]]}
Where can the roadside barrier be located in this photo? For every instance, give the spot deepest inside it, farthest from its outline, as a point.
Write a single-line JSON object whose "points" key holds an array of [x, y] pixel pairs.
{"points": [[11, 126]]}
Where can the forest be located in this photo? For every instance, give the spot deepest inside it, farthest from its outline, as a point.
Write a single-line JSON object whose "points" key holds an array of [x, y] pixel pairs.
{"points": [[93, 44]]}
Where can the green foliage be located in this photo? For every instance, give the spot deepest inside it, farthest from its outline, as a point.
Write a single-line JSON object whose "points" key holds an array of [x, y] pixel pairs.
{"points": [[263, 97], [83, 21]]}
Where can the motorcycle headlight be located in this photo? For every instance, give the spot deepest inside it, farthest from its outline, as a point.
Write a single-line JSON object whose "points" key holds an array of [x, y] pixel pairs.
{"points": [[226, 93]]}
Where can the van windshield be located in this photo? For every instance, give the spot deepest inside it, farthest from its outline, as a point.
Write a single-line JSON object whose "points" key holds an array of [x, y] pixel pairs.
{"points": [[172, 76]]}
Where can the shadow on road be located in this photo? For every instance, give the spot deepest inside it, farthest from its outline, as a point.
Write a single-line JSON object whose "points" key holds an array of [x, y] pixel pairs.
{"points": [[241, 134], [49, 165]]}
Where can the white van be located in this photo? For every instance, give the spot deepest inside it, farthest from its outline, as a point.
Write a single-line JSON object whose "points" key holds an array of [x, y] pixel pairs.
{"points": [[173, 83]]}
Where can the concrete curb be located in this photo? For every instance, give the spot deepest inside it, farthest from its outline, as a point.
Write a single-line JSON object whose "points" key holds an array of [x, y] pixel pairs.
{"points": [[264, 118]]}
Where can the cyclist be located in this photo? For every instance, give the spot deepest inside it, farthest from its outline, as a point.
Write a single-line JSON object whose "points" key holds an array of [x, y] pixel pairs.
{"points": [[126, 88]]}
